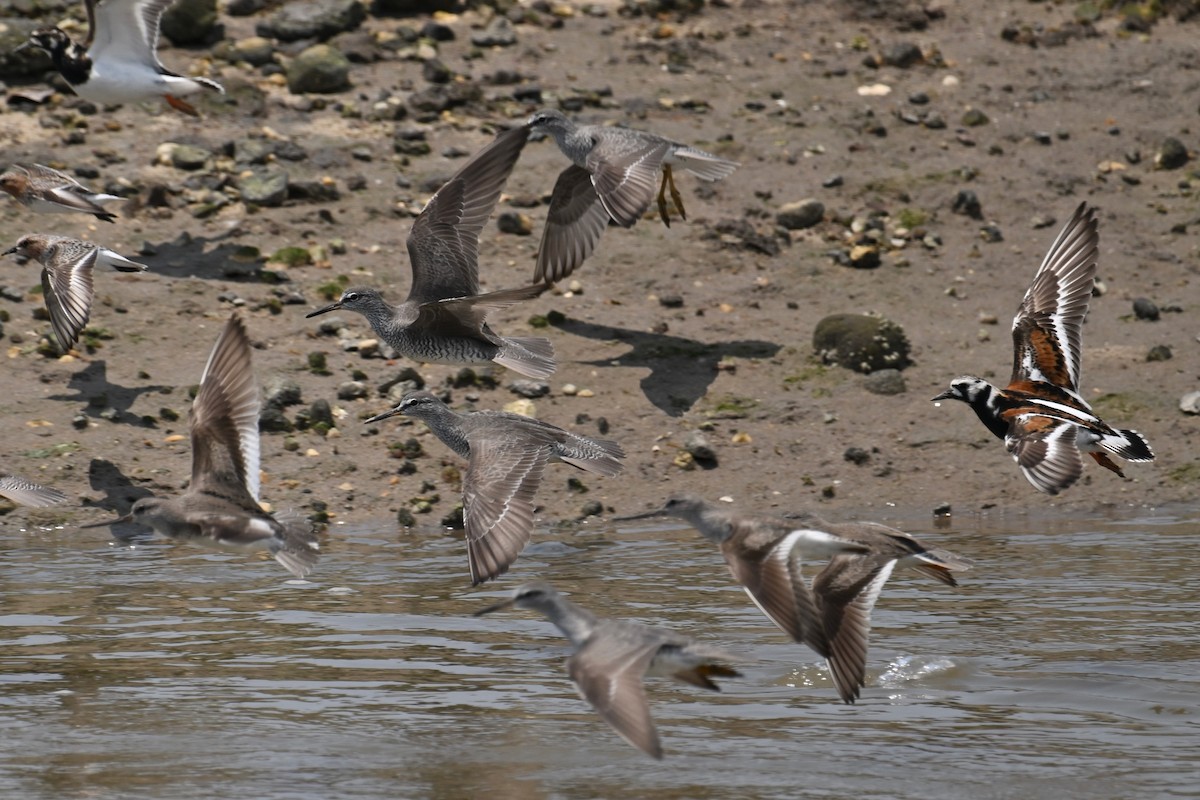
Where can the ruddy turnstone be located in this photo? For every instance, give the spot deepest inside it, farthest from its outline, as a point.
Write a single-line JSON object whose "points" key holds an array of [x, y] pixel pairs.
{"points": [[613, 174], [47, 190], [28, 493], [506, 456], [613, 656], [833, 617], [67, 266], [118, 63], [1044, 421], [220, 507], [444, 319]]}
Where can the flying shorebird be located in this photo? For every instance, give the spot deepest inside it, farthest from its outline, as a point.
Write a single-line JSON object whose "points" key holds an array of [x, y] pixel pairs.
{"points": [[506, 456], [28, 493], [444, 318], [833, 617], [613, 174], [47, 190], [1044, 421], [612, 656], [220, 507], [118, 63], [67, 266]]}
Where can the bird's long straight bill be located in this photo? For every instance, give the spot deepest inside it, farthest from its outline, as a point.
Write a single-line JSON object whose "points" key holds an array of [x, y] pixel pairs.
{"points": [[385, 415], [325, 310], [654, 512], [503, 604], [107, 522]]}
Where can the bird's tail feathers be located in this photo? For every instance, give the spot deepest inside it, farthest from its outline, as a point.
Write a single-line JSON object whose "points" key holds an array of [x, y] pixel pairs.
{"points": [[702, 675], [529, 355], [1129, 445], [940, 565], [297, 548], [704, 166], [207, 84], [599, 456]]}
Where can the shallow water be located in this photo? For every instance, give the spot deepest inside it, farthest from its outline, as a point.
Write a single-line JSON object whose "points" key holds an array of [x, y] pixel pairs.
{"points": [[1067, 665]]}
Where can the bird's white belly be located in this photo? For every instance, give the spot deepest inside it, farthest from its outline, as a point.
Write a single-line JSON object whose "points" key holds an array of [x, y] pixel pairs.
{"points": [[131, 82], [255, 533], [121, 82], [46, 207]]}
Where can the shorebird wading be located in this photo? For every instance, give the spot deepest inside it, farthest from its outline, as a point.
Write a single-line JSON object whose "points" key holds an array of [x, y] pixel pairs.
{"points": [[220, 507], [612, 656], [118, 63], [444, 319], [1044, 421]]}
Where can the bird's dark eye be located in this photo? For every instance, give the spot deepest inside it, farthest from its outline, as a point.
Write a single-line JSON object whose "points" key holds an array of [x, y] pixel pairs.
{"points": [[352, 296]]}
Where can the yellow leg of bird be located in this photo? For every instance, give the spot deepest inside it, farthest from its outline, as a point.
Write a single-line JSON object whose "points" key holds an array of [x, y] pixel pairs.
{"points": [[662, 198], [675, 196]]}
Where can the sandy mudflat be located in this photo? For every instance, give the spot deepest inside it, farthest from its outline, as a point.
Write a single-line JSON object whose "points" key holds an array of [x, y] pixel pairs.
{"points": [[774, 85]]}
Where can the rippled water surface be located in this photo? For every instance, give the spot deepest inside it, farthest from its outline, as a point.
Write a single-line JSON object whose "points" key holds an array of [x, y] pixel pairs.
{"points": [[1067, 665]]}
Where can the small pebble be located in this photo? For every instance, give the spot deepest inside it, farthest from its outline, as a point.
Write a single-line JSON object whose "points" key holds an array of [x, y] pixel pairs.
{"points": [[885, 382], [967, 202], [698, 447], [991, 234], [524, 407], [1172, 154], [1145, 308], [1190, 403], [592, 508], [1159, 352], [800, 214], [973, 118], [514, 222], [670, 300], [529, 388], [856, 455], [352, 390]]}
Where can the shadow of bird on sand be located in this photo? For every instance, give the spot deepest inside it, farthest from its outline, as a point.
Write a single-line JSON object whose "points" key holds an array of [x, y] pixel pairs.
{"points": [[120, 494], [106, 400], [681, 370], [208, 258]]}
